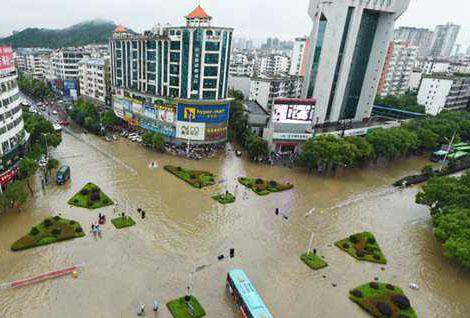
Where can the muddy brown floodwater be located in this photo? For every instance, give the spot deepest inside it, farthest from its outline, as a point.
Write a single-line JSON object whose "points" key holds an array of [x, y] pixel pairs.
{"points": [[185, 227]]}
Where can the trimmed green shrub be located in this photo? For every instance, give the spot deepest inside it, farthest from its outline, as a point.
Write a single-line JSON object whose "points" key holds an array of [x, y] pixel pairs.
{"points": [[47, 222], [353, 238], [384, 309], [55, 232], [78, 230], [84, 192], [374, 285], [34, 231]]}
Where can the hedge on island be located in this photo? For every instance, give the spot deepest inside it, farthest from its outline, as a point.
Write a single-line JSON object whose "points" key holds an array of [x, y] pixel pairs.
{"points": [[382, 300], [122, 222], [179, 308], [51, 230], [197, 178], [313, 261], [263, 187], [90, 197], [362, 246], [224, 198]]}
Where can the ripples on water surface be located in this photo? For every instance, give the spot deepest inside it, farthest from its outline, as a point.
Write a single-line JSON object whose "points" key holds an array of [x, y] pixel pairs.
{"points": [[184, 226]]}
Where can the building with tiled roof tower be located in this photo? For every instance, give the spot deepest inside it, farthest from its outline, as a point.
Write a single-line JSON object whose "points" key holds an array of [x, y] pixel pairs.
{"points": [[189, 62]]}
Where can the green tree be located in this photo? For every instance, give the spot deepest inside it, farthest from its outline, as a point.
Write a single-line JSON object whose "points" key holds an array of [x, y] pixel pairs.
{"points": [[256, 146], [15, 193], [53, 139], [238, 123], [28, 168], [154, 140], [365, 151], [110, 119], [236, 94], [52, 164], [328, 152], [449, 200], [407, 102], [147, 138]]}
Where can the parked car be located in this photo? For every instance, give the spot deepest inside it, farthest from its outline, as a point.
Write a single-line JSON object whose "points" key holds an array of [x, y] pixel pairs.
{"points": [[62, 175], [64, 122], [54, 112]]}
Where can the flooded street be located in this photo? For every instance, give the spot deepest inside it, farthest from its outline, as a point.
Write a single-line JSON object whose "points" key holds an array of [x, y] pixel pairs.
{"points": [[185, 227]]}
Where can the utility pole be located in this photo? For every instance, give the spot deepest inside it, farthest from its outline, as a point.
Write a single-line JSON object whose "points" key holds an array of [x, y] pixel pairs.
{"points": [[189, 133], [447, 152], [309, 247]]}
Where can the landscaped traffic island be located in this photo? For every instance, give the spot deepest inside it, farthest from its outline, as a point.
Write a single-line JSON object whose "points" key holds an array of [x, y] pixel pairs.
{"points": [[263, 187], [180, 308], [51, 230], [363, 247], [382, 300], [224, 198], [90, 197], [196, 178], [313, 261], [123, 221]]}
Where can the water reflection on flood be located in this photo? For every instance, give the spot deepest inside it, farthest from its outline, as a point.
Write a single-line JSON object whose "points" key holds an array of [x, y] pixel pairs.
{"points": [[184, 226]]}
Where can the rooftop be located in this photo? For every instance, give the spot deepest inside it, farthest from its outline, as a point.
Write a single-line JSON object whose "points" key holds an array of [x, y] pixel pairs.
{"points": [[120, 29], [198, 13]]}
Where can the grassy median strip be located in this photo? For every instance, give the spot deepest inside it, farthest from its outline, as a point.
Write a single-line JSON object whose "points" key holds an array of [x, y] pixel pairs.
{"points": [[90, 197], [382, 300], [263, 187], [363, 247], [51, 230], [180, 308], [197, 178]]}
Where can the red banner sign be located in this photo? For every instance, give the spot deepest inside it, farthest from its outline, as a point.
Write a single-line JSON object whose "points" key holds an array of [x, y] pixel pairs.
{"points": [[8, 176], [6, 57]]}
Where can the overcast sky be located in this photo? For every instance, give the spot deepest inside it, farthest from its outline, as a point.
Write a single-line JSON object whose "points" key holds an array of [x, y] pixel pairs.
{"points": [[251, 18]]}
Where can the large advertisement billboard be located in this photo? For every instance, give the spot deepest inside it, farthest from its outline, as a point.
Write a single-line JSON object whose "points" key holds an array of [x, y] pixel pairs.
{"points": [[164, 113], [71, 88], [216, 132], [215, 113], [193, 131], [6, 57], [158, 127], [293, 111]]}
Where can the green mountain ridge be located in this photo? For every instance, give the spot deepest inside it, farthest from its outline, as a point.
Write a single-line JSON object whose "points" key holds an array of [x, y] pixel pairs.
{"points": [[84, 33]]}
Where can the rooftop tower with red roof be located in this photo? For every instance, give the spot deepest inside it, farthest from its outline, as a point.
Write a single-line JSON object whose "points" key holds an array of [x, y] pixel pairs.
{"points": [[198, 17]]}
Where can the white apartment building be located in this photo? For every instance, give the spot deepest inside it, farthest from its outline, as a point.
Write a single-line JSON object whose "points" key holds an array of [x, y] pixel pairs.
{"points": [[94, 78], [420, 37], [265, 90], [65, 63], [241, 65], [297, 59], [348, 45], [12, 133], [415, 80], [444, 40], [433, 66], [399, 62], [34, 65], [441, 92], [272, 65]]}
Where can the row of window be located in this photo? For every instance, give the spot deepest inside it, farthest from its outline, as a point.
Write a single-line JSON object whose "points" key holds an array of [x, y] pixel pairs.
{"points": [[8, 86], [7, 101]]}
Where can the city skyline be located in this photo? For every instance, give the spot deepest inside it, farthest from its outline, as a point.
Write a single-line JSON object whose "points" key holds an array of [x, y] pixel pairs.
{"points": [[291, 17]]}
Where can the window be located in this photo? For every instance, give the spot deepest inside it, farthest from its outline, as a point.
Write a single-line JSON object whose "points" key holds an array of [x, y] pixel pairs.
{"points": [[175, 45], [210, 83], [174, 57], [210, 71], [209, 95], [212, 46], [211, 58]]}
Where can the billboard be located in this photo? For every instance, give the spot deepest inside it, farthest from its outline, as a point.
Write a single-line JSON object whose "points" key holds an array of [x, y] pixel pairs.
{"points": [[6, 57], [161, 128], [293, 114], [166, 113], [212, 113], [216, 133], [293, 111], [71, 88], [193, 131]]}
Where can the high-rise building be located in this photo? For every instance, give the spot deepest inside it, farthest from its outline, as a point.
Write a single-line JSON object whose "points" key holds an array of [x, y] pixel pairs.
{"points": [[348, 45], [399, 62], [297, 60], [174, 80], [264, 90], [420, 37], [191, 61], [444, 40], [12, 134], [271, 65]]}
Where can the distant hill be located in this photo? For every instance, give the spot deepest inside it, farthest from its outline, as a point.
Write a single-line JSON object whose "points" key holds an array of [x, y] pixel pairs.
{"points": [[89, 32]]}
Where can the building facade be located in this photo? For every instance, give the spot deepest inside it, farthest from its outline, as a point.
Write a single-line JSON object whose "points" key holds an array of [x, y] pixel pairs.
{"points": [[174, 80], [444, 40], [348, 45], [419, 37], [444, 92], [271, 65], [297, 60], [264, 90], [12, 134], [94, 81], [399, 62]]}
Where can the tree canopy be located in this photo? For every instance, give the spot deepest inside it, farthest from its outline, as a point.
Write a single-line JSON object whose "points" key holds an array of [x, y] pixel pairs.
{"points": [[449, 200], [33, 87]]}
